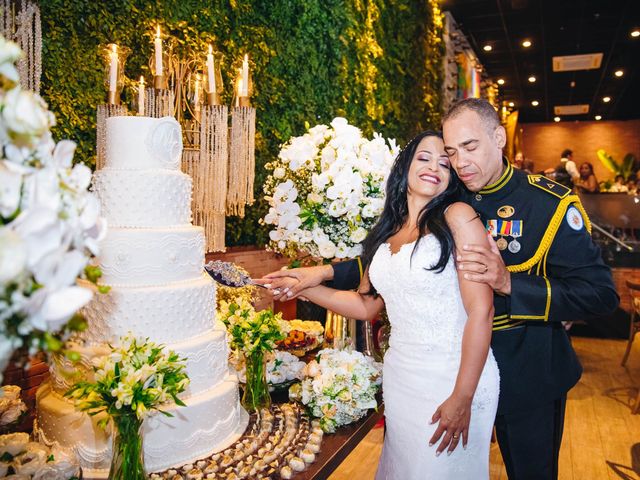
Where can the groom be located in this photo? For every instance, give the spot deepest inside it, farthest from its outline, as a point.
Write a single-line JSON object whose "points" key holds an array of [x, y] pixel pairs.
{"points": [[544, 269]]}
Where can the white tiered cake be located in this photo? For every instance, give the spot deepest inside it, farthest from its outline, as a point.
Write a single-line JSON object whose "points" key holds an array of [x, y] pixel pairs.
{"points": [[153, 260]]}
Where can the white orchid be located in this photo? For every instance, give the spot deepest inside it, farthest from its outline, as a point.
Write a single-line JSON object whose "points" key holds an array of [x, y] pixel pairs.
{"points": [[50, 224], [325, 185]]}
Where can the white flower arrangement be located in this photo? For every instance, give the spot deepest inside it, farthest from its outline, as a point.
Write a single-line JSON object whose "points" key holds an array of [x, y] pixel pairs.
{"points": [[339, 387], [282, 367], [136, 377], [11, 405], [21, 458], [50, 223], [326, 190]]}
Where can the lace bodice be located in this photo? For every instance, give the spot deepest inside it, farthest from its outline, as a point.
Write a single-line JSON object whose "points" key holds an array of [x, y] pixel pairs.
{"points": [[424, 307]]}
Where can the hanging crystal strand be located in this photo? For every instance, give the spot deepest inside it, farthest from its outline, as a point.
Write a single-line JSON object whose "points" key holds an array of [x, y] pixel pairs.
{"points": [[105, 111], [159, 103], [241, 160]]}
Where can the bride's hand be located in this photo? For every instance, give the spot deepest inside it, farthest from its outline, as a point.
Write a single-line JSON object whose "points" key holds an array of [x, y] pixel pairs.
{"points": [[454, 415]]}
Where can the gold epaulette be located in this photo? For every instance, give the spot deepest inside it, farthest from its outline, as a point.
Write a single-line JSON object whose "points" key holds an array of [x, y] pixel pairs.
{"points": [[554, 188], [552, 230]]}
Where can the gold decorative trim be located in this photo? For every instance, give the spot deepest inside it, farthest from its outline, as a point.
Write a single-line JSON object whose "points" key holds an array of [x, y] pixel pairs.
{"points": [[501, 182], [550, 233]]}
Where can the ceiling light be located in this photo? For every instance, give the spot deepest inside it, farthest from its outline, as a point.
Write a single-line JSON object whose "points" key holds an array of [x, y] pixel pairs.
{"points": [[487, 48], [501, 81], [619, 73], [635, 33], [598, 117], [511, 104], [532, 79], [556, 119], [606, 99], [535, 103], [526, 43]]}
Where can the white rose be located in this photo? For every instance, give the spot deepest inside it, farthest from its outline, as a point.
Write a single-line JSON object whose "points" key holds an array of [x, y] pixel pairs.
{"points": [[342, 251], [279, 172], [358, 235], [10, 191], [355, 251], [314, 198], [337, 208], [26, 116], [13, 255], [327, 249]]}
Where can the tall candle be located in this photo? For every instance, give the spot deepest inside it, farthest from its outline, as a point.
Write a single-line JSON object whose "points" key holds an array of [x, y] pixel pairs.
{"points": [[245, 77], [113, 68], [240, 87], [157, 43], [141, 96], [211, 78]]}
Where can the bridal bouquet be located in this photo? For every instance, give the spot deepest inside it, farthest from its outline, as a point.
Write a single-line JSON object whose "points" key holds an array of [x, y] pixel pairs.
{"points": [[23, 459], [253, 334], [49, 222], [326, 190], [131, 381], [339, 387]]}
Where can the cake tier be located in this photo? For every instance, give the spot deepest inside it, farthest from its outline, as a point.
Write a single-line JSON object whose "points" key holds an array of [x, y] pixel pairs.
{"points": [[209, 422], [151, 256], [166, 314], [143, 198], [140, 143], [206, 360]]}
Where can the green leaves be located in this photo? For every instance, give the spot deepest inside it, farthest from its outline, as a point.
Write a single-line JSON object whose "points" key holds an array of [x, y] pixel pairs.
{"points": [[375, 63]]}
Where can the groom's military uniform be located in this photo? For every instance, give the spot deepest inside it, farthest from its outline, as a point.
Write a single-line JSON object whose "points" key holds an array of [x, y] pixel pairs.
{"points": [[557, 274]]}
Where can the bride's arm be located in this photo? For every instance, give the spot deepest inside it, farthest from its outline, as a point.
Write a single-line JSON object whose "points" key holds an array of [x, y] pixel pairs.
{"points": [[350, 304], [454, 414]]}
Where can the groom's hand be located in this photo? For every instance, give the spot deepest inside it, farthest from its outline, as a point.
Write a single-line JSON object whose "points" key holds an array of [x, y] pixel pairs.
{"points": [[485, 265]]}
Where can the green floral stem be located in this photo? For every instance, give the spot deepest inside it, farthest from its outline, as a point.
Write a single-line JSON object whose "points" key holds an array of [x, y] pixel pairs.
{"points": [[128, 460], [256, 390]]}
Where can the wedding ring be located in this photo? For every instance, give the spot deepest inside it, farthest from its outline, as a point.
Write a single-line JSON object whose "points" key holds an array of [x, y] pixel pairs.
{"points": [[486, 268], [455, 437]]}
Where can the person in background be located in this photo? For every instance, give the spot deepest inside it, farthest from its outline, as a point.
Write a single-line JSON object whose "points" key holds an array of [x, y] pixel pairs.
{"points": [[587, 182], [566, 173], [619, 186], [518, 161]]}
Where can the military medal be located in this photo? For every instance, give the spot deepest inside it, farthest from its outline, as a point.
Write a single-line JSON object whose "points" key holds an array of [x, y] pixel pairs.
{"points": [[506, 211], [516, 231], [502, 243]]}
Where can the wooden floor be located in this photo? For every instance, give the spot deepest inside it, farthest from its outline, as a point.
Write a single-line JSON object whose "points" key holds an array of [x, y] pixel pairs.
{"points": [[601, 437]]}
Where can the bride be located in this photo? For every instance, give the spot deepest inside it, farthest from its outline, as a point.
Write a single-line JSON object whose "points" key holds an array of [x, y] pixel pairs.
{"points": [[440, 380]]}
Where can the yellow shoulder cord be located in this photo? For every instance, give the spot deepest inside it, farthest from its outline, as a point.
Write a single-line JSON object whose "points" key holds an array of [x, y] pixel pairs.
{"points": [[550, 233]]}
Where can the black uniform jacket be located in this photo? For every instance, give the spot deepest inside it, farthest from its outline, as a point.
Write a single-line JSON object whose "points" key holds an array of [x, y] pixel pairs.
{"points": [[557, 274]]}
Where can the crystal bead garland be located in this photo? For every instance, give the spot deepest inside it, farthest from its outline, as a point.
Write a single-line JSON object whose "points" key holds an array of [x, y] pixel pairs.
{"points": [[24, 27], [242, 160]]}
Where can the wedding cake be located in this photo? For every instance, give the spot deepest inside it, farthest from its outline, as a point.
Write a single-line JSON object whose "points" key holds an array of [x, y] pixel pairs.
{"points": [[152, 258]]}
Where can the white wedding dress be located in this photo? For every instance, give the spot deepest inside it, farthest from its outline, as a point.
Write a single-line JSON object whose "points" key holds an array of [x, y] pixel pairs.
{"points": [[420, 367]]}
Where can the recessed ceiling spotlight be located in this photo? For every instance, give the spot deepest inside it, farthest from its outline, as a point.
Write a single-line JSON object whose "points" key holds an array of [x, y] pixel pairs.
{"points": [[535, 103], [526, 43], [606, 99], [501, 81], [532, 79], [598, 117], [556, 119], [635, 33], [619, 73], [487, 48], [511, 104]]}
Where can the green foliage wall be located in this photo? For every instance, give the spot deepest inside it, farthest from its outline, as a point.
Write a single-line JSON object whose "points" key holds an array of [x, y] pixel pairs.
{"points": [[376, 62]]}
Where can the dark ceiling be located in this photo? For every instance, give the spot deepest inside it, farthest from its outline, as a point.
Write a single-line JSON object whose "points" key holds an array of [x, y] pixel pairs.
{"points": [[555, 28]]}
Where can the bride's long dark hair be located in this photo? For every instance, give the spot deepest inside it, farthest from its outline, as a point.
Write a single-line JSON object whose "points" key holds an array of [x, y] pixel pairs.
{"points": [[430, 219]]}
